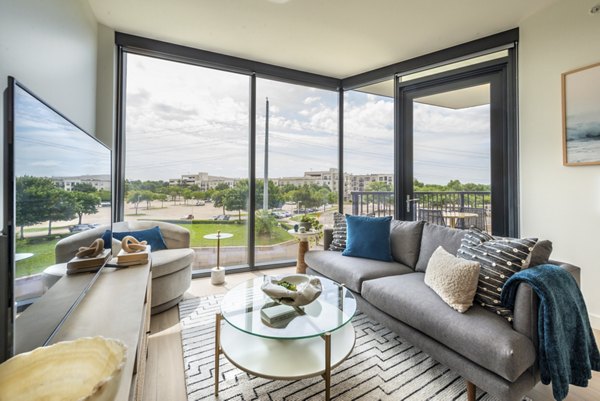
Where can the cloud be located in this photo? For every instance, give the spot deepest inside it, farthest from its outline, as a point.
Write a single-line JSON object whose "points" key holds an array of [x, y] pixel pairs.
{"points": [[185, 119], [311, 99]]}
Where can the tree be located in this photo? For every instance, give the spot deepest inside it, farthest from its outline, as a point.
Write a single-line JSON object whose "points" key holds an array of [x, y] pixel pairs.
{"points": [[265, 223], [32, 198], [174, 193], [134, 197], [86, 203], [276, 197], [83, 187], [162, 197], [187, 195], [105, 195], [378, 186], [147, 196], [236, 198], [62, 206], [218, 198]]}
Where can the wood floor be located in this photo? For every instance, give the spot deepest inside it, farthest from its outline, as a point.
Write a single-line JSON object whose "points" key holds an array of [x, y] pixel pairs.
{"points": [[165, 379]]}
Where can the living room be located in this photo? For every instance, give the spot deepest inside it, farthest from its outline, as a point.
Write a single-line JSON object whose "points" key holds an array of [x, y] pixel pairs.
{"points": [[68, 54]]}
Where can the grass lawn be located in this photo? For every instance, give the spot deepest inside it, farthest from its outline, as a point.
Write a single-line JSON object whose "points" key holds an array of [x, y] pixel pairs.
{"points": [[43, 255], [239, 231]]}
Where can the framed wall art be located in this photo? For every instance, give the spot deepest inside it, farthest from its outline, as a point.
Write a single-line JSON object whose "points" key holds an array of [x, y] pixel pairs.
{"points": [[581, 116]]}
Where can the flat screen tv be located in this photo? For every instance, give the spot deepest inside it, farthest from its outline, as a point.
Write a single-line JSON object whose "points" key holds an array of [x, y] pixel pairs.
{"points": [[57, 182]]}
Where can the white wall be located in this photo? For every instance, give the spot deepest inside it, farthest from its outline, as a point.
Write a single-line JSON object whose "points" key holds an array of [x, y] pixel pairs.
{"points": [[557, 202], [50, 47]]}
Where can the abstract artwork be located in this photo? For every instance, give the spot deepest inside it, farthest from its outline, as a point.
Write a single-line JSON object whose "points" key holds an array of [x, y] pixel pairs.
{"points": [[581, 116]]}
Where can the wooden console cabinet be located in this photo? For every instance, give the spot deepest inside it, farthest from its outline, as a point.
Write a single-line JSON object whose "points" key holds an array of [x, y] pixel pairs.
{"points": [[117, 306]]}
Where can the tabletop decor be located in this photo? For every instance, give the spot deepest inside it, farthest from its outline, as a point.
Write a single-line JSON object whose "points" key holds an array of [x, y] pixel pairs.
{"points": [[293, 290], [581, 116], [84, 369]]}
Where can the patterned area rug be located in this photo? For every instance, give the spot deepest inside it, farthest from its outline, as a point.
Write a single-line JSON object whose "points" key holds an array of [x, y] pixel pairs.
{"points": [[381, 367]]}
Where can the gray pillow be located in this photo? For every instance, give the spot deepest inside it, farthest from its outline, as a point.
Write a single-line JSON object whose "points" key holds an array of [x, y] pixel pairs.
{"points": [[453, 279], [405, 240], [434, 236], [540, 254]]}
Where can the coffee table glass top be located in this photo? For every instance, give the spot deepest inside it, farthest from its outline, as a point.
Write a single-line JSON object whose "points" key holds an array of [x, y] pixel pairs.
{"points": [[248, 309]]}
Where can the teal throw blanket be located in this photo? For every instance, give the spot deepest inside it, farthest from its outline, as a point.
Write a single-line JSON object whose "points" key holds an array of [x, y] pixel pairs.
{"points": [[567, 350]]}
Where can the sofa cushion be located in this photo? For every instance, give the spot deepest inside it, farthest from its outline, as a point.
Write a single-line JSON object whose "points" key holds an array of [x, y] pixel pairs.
{"points": [[153, 236], [168, 261], [338, 243], [368, 237], [434, 236], [453, 279], [405, 240], [351, 272], [478, 335], [499, 259]]}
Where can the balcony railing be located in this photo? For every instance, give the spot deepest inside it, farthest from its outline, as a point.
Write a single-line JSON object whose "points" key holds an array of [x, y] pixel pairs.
{"points": [[434, 207]]}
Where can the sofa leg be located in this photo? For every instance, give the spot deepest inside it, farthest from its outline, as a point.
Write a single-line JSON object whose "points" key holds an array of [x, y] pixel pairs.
{"points": [[470, 391]]}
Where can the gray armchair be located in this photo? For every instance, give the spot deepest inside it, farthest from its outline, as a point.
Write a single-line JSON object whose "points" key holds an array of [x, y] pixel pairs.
{"points": [[171, 267]]}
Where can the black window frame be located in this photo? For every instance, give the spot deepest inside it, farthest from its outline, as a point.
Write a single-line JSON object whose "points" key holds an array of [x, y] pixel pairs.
{"points": [[127, 43]]}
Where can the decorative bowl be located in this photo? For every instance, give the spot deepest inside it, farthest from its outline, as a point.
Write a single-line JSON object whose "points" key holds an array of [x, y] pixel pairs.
{"points": [[299, 289], [86, 369]]}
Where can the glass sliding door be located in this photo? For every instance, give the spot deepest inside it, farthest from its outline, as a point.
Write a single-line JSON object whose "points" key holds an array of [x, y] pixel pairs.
{"points": [[451, 158], [453, 146], [297, 156], [186, 153]]}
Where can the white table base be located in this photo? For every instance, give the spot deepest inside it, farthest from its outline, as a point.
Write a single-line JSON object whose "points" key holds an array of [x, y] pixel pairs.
{"points": [[288, 359]]}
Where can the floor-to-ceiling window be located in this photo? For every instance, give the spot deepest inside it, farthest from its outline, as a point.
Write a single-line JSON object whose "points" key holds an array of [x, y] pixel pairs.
{"points": [[186, 153], [297, 153], [369, 150]]}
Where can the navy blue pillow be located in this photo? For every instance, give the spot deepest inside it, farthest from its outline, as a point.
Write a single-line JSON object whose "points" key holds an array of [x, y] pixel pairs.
{"points": [[368, 237], [152, 235]]}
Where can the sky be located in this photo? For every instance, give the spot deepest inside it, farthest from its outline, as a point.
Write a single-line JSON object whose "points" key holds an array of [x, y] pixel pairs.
{"points": [[47, 145], [184, 119]]}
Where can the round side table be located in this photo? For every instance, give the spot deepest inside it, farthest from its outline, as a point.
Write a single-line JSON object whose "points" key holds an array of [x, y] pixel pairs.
{"points": [[302, 247]]}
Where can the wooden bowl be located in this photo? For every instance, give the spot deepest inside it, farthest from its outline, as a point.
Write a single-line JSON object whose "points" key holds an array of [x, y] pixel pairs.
{"points": [[86, 369]]}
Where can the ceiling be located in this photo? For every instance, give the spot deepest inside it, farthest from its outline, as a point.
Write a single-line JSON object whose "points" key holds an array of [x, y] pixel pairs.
{"points": [[336, 38]]}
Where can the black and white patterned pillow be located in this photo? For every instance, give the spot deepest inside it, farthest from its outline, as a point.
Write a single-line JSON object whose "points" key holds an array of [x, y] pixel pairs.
{"points": [[499, 259], [338, 243]]}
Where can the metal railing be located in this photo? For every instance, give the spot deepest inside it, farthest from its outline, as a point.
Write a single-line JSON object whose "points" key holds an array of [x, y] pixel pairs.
{"points": [[473, 202]]}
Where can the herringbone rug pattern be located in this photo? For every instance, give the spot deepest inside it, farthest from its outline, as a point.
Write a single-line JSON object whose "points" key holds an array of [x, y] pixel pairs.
{"points": [[381, 367]]}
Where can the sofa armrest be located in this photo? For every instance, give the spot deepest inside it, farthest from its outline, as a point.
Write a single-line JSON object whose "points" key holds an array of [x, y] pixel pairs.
{"points": [[327, 238], [525, 313]]}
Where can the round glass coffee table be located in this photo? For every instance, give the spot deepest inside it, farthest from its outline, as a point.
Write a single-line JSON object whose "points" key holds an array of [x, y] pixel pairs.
{"points": [[274, 341]]}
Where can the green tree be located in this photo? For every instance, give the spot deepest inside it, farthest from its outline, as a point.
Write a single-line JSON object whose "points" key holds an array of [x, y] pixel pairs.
{"points": [[147, 196], [83, 187], [162, 197], [174, 192], [236, 198], [276, 196], [86, 203], [265, 224], [62, 206], [105, 195], [378, 186], [32, 198], [187, 195], [134, 197]]}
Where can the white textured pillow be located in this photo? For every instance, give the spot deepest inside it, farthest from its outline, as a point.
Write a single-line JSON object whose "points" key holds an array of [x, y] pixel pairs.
{"points": [[453, 279]]}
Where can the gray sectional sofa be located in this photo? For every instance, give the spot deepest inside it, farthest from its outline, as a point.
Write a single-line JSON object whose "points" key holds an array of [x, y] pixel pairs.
{"points": [[485, 349]]}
